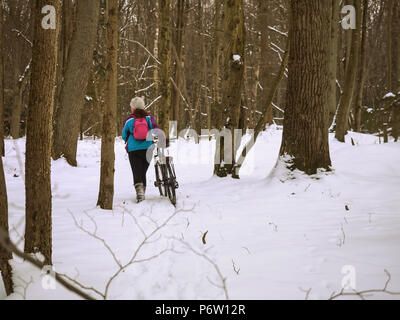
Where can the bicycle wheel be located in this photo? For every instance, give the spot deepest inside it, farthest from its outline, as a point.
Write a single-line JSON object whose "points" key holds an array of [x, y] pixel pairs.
{"points": [[164, 175], [171, 185], [158, 181]]}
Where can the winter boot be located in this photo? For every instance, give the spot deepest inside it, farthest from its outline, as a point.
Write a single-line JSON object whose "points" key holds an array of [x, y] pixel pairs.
{"points": [[140, 189]]}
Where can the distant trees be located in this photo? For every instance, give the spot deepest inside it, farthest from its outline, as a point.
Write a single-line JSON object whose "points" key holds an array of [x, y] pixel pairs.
{"points": [[172, 53], [342, 118], [38, 227], [305, 131], [106, 192], [17, 53]]}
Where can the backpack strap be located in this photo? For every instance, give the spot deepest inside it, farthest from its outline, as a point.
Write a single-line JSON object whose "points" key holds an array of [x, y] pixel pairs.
{"points": [[148, 119]]}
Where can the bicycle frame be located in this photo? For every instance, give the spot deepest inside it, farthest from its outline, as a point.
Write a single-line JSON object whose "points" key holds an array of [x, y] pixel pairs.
{"points": [[165, 174]]}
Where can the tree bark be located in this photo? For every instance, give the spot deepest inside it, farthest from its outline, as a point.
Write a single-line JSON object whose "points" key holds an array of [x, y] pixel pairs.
{"points": [[232, 83], [1, 83], [363, 70], [349, 85], [15, 122], [179, 45], [38, 226], [155, 53], [305, 130], [106, 192], [395, 123], [80, 60], [389, 81], [333, 51], [21, 82], [216, 64], [262, 98], [164, 51], [5, 256], [68, 22]]}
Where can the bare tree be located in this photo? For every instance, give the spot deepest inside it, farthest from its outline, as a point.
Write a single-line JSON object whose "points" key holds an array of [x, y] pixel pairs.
{"points": [[232, 83], [80, 60], [305, 130], [106, 192], [38, 235]]}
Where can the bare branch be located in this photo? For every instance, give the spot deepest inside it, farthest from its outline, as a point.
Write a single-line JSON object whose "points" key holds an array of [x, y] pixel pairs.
{"points": [[361, 294], [6, 243]]}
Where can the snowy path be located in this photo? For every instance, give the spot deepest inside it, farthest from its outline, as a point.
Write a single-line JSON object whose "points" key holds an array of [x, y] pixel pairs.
{"points": [[270, 240]]}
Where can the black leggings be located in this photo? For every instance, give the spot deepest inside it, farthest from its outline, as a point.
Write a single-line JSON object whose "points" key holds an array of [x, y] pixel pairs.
{"points": [[139, 165]]}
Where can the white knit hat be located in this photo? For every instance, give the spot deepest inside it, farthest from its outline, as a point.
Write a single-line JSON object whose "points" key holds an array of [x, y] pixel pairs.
{"points": [[137, 103]]}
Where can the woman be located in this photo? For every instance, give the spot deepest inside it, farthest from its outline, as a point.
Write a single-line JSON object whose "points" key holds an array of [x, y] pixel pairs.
{"points": [[137, 145]]}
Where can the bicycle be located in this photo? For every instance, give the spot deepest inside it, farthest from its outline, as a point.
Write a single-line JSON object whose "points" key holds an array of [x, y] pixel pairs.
{"points": [[165, 174]]}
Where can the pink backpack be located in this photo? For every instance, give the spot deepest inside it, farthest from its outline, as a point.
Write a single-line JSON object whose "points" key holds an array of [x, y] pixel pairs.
{"points": [[140, 128]]}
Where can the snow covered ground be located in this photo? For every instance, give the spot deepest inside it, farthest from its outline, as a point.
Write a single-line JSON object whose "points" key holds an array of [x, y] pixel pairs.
{"points": [[268, 239]]}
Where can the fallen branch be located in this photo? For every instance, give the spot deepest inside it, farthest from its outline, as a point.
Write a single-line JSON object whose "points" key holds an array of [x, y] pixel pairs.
{"points": [[8, 245], [364, 292]]}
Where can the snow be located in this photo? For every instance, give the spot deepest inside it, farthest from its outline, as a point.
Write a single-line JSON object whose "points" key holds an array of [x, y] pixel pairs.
{"points": [[271, 240], [389, 95], [236, 57]]}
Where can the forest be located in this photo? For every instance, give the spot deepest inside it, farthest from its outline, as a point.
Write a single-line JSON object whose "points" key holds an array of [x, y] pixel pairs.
{"points": [[274, 128]]}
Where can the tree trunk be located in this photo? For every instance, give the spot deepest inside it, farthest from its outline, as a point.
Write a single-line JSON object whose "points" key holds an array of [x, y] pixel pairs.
{"points": [[389, 81], [349, 85], [265, 51], [155, 53], [5, 256], [232, 83], [38, 226], [333, 51], [216, 64], [363, 70], [1, 83], [396, 63], [305, 130], [77, 74], [179, 45], [164, 51], [66, 32], [16, 108], [106, 192]]}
